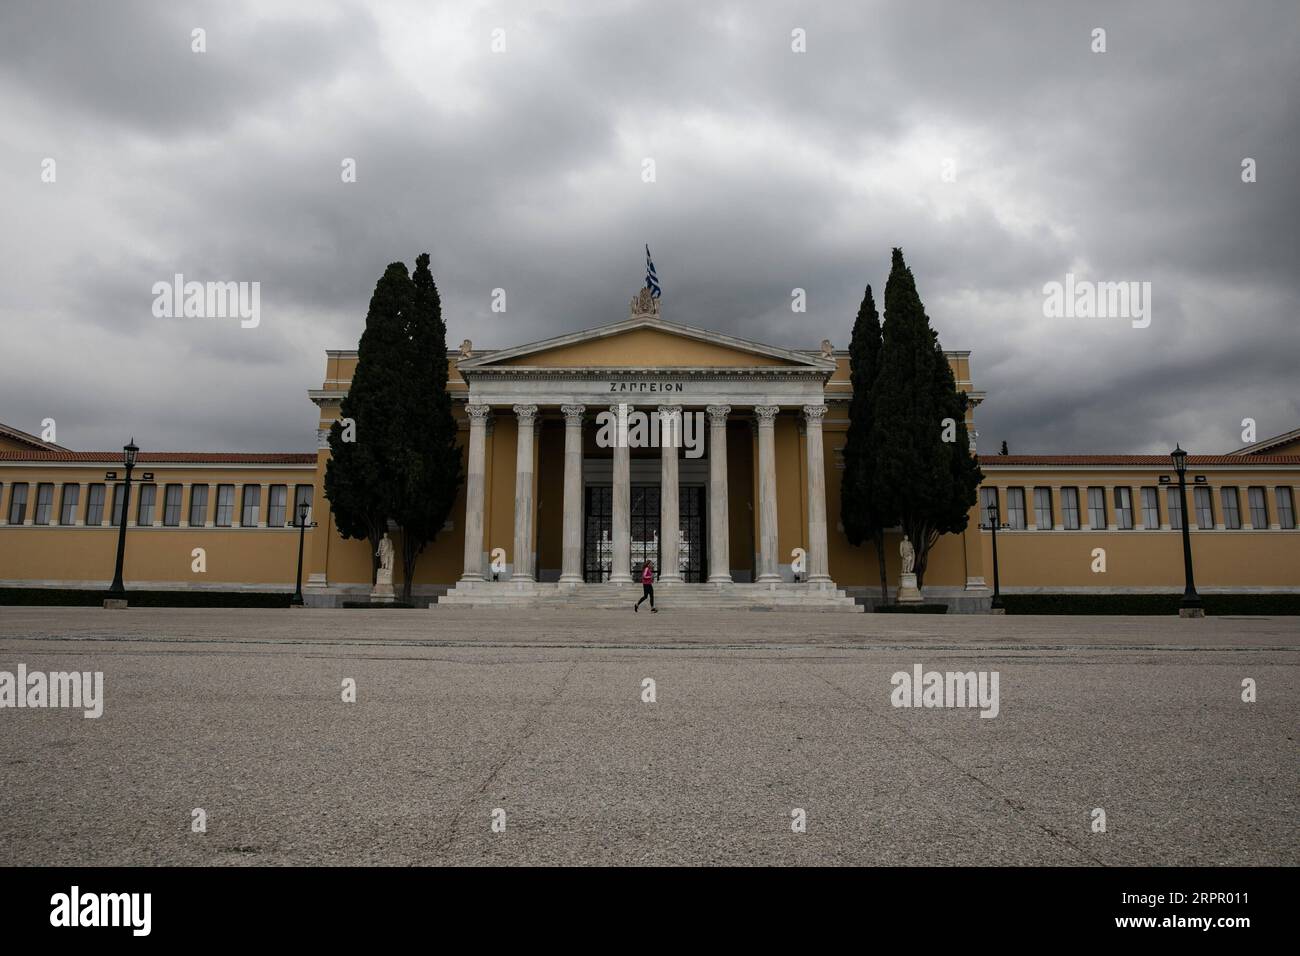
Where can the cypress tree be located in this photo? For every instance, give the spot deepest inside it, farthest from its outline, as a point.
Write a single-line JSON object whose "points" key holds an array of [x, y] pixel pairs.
{"points": [[924, 483], [859, 513], [427, 455], [360, 476]]}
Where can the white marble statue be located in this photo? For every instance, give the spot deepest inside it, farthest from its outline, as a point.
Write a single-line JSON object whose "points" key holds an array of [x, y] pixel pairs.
{"points": [[385, 555], [908, 554]]}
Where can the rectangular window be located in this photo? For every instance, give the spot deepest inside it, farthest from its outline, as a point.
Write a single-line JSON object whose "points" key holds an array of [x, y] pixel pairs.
{"points": [[1124, 508], [1203, 502], [225, 505], [1231, 508], [18, 503], [144, 507], [1285, 508], [95, 505], [1097, 508], [172, 506], [252, 506], [44, 502], [275, 506], [1258, 502], [1175, 508], [1151, 509], [119, 500], [302, 494], [1016, 508], [988, 501], [1070, 508], [198, 506], [68, 505], [1043, 508]]}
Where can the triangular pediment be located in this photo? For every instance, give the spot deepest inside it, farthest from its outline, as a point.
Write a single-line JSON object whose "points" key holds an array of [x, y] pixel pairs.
{"points": [[647, 342]]}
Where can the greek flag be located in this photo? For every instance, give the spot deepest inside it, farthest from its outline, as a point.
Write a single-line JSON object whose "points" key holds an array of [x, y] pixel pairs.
{"points": [[651, 280]]}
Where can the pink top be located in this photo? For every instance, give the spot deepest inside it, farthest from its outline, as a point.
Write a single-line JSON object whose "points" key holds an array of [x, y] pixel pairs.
{"points": [[647, 575]]}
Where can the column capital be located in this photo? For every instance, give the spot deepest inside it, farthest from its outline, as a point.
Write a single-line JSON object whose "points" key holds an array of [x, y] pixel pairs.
{"points": [[478, 413], [526, 414], [718, 414], [814, 414], [669, 409], [573, 413], [623, 405], [766, 414]]}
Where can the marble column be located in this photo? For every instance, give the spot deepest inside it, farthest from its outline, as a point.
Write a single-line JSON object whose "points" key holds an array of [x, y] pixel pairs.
{"points": [[768, 559], [571, 566], [526, 417], [817, 561], [670, 440], [621, 520], [475, 484], [719, 529]]}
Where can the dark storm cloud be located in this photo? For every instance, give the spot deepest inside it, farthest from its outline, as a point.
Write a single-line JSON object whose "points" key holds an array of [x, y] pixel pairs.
{"points": [[776, 170]]}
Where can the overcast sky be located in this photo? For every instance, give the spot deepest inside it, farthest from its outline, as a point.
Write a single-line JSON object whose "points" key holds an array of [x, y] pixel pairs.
{"points": [[522, 170]]}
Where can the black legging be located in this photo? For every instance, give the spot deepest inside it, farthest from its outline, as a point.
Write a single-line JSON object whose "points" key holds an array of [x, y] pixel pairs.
{"points": [[647, 591]]}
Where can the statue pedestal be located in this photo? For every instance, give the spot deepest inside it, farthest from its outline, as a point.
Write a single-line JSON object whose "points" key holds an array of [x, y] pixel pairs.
{"points": [[908, 593], [382, 592]]}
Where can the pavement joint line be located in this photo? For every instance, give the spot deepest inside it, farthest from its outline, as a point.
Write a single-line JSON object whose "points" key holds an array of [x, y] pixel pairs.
{"points": [[675, 646], [920, 744], [511, 752]]}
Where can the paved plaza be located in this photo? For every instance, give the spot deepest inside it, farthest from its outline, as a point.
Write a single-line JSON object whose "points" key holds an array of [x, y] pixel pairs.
{"points": [[541, 714]]}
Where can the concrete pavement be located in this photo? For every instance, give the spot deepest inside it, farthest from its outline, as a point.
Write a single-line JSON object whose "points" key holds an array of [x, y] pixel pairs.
{"points": [[460, 713]]}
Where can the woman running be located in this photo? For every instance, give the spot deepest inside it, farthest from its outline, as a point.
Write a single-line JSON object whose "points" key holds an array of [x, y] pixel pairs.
{"points": [[647, 588]]}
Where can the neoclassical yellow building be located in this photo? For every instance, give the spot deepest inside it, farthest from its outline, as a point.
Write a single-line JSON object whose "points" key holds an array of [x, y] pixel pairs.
{"points": [[552, 512]]}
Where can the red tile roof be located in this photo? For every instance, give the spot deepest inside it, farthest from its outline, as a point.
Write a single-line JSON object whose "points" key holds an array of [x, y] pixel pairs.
{"points": [[1151, 461], [167, 457]]}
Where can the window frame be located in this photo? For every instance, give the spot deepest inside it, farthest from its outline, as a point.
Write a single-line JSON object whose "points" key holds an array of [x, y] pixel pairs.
{"points": [[1070, 508], [1092, 508], [271, 506], [98, 505], [228, 506], [201, 491], [1230, 507], [147, 498], [74, 504], [1123, 505], [255, 505], [1038, 509], [1203, 493], [1263, 506], [19, 501], [170, 506], [1154, 499], [1287, 509], [1013, 511], [43, 513]]}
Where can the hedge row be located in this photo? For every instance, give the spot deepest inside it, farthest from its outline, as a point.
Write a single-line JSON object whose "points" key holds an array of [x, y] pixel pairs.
{"points": [[1215, 604], [67, 597]]}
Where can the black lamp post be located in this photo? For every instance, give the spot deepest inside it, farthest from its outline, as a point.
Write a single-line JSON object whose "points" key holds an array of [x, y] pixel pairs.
{"points": [[994, 517], [303, 510], [117, 592], [1191, 605]]}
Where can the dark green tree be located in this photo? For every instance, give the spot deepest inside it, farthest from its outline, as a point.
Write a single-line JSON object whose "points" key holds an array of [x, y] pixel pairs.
{"points": [[426, 456], [859, 513], [360, 477], [926, 478]]}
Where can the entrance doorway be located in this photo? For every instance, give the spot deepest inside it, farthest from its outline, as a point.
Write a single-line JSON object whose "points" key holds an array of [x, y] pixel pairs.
{"points": [[598, 519]]}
